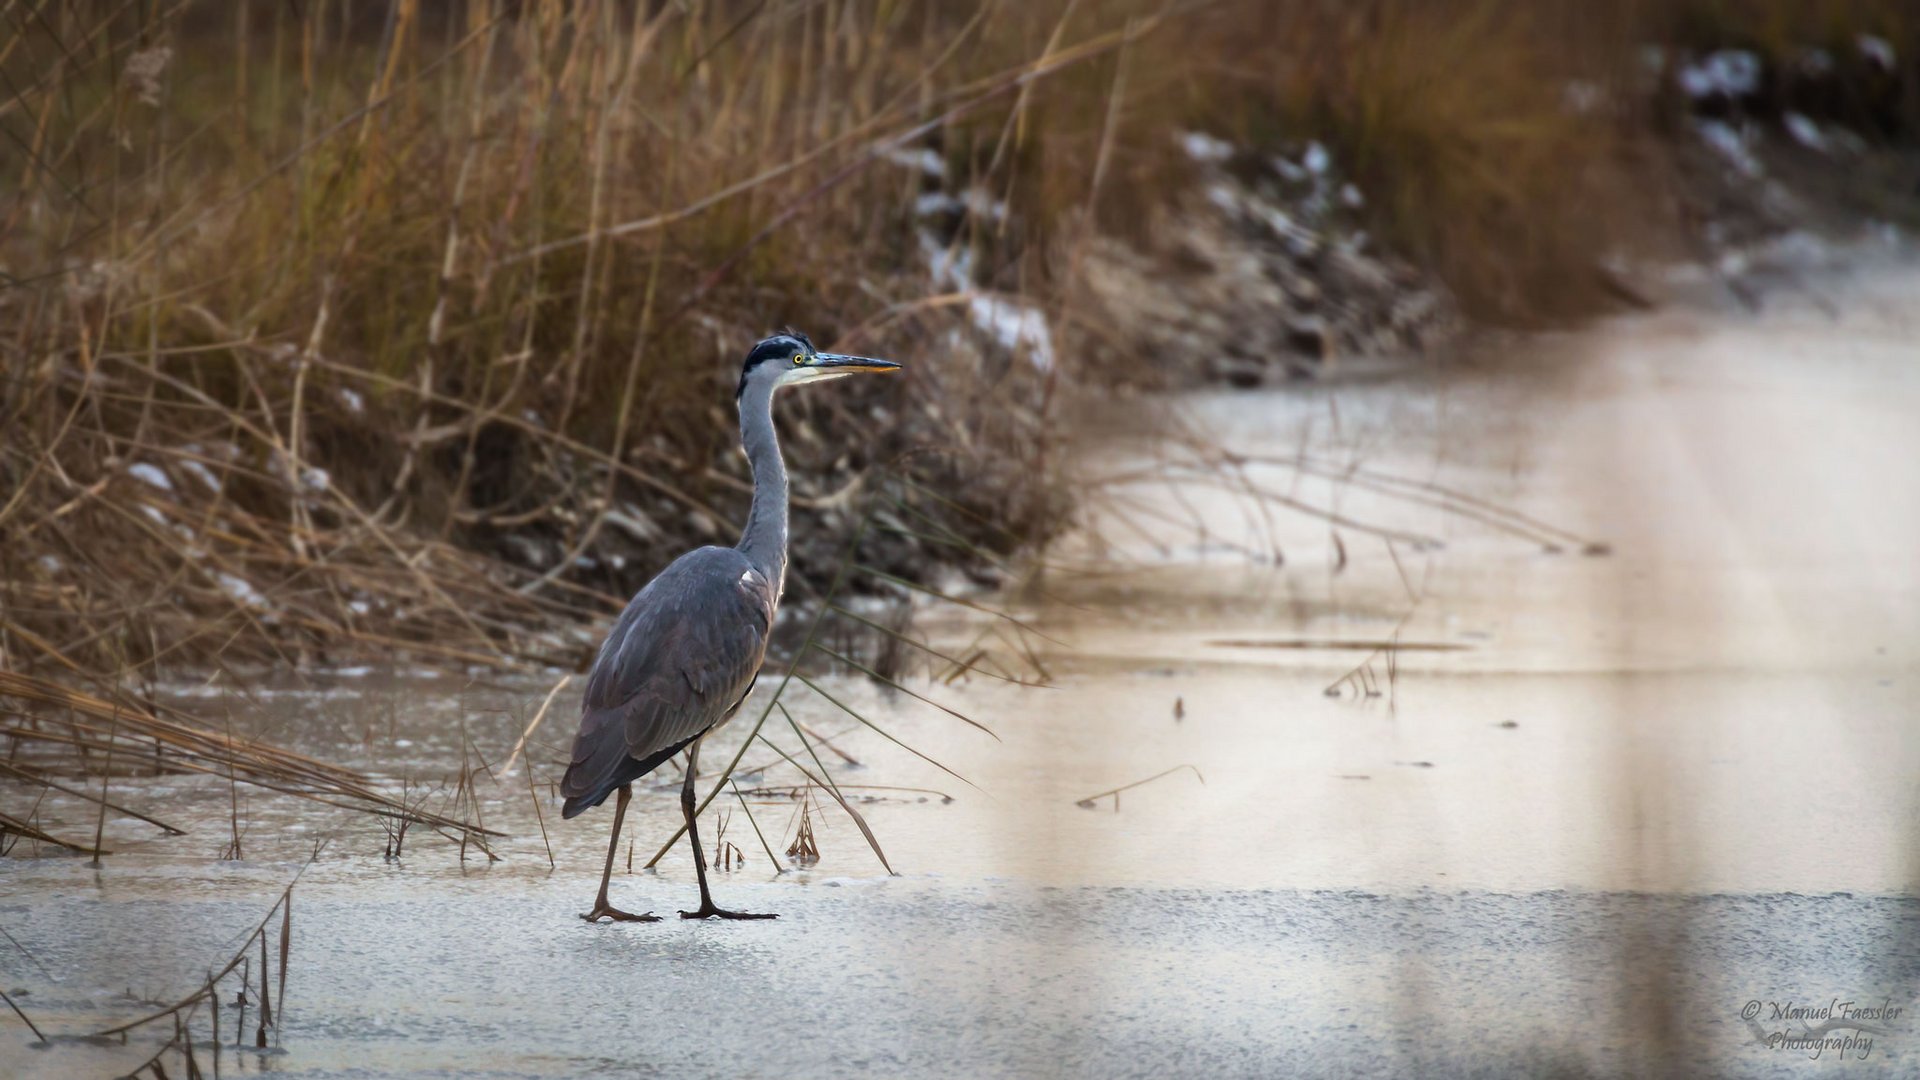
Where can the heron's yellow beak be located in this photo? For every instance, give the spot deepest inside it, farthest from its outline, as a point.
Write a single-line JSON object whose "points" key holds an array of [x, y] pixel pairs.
{"points": [[837, 363]]}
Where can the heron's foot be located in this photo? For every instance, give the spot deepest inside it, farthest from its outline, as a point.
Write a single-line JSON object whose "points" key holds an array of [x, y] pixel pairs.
{"points": [[708, 911], [608, 911]]}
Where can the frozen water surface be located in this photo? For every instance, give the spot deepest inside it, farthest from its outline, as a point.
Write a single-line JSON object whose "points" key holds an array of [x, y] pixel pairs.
{"points": [[1603, 802]]}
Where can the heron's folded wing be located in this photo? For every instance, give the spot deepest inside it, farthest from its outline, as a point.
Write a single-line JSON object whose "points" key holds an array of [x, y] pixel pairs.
{"points": [[681, 656]]}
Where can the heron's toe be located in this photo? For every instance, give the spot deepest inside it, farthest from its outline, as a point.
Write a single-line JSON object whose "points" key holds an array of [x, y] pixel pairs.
{"points": [[616, 915], [722, 913]]}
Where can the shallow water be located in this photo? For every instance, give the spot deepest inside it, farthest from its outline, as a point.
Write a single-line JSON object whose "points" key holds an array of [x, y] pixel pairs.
{"points": [[1601, 802]]}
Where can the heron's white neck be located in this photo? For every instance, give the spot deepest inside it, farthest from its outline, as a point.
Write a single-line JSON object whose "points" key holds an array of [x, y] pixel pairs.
{"points": [[764, 541]]}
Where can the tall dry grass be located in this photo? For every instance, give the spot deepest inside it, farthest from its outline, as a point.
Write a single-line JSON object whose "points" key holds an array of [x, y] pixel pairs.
{"points": [[1455, 116], [402, 325], [412, 325]]}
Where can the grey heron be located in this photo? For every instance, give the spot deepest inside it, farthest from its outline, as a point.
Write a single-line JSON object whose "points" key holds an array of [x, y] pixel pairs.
{"points": [[684, 654]]}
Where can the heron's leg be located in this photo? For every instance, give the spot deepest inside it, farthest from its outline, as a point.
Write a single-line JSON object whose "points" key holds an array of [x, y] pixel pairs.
{"points": [[707, 910], [602, 909]]}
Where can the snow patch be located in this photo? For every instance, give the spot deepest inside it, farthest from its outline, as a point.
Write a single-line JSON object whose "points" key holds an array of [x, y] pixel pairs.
{"points": [[241, 590], [151, 474], [972, 201], [1733, 73], [1804, 131], [1291, 173], [1299, 240], [1878, 50], [918, 158], [1203, 147], [1014, 326], [952, 268], [201, 473], [1730, 144]]}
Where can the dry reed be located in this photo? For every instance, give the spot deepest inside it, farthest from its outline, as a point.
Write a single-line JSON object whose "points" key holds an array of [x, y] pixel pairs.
{"points": [[51, 726]]}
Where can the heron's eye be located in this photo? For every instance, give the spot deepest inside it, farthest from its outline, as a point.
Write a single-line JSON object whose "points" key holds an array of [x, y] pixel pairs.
{"points": [[799, 358]]}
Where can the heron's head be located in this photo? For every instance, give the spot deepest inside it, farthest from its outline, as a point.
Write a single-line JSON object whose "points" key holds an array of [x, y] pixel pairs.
{"points": [[789, 358]]}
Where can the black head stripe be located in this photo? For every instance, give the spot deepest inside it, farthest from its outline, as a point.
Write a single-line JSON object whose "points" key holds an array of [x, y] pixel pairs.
{"points": [[779, 347]]}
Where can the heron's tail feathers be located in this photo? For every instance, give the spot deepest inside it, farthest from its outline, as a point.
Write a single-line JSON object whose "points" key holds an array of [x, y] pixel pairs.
{"points": [[590, 780]]}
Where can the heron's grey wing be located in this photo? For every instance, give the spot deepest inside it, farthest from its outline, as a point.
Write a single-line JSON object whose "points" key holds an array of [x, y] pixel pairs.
{"points": [[681, 657]]}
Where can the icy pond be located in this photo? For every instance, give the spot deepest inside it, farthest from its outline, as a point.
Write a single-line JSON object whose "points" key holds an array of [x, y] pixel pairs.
{"points": [[1640, 770]]}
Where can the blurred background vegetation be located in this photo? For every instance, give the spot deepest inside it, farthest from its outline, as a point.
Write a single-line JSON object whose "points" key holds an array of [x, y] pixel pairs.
{"points": [[347, 324]]}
